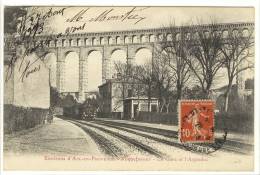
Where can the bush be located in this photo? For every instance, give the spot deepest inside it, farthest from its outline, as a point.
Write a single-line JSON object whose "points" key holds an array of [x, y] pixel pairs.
{"points": [[152, 117], [242, 122], [19, 118]]}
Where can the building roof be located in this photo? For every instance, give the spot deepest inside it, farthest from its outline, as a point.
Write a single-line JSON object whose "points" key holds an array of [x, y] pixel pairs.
{"points": [[114, 80], [140, 98]]}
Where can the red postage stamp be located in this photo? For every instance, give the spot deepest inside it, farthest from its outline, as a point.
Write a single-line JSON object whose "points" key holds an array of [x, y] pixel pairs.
{"points": [[196, 121]]}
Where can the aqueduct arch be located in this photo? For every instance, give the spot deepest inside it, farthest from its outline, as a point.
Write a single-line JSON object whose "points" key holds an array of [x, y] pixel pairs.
{"points": [[106, 42]]}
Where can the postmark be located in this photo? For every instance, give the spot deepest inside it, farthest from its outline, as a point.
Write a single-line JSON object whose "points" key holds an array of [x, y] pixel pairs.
{"points": [[196, 121]]}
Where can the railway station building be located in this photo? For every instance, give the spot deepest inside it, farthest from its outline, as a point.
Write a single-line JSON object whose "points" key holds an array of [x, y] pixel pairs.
{"points": [[119, 99]]}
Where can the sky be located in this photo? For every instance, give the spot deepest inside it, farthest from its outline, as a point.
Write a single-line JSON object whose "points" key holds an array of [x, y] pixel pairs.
{"points": [[153, 17], [98, 19]]}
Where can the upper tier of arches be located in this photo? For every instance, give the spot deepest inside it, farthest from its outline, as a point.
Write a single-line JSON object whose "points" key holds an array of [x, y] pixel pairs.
{"points": [[142, 36]]}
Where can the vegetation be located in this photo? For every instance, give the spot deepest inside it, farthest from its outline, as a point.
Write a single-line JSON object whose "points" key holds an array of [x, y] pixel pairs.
{"points": [[186, 63]]}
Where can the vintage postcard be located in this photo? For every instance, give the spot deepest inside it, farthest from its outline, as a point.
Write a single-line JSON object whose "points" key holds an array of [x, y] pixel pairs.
{"points": [[105, 88]]}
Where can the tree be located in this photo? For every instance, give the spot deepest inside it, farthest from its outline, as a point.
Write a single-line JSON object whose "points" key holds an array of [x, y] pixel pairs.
{"points": [[174, 52], [11, 18], [204, 58], [164, 80], [237, 49], [152, 79], [143, 75], [193, 92], [124, 83], [23, 24], [55, 99], [122, 77]]}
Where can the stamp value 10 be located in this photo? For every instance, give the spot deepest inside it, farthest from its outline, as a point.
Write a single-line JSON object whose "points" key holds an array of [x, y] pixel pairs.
{"points": [[196, 121]]}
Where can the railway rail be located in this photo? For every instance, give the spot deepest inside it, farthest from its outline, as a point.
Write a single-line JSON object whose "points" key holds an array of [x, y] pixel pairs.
{"points": [[224, 145], [159, 135], [105, 145], [128, 140]]}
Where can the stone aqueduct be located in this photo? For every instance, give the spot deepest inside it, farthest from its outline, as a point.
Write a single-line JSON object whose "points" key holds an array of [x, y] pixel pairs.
{"points": [[107, 42]]}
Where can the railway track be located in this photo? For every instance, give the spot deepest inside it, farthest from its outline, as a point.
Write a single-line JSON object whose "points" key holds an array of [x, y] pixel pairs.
{"points": [[104, 144], [167, 142], [170, 139], [227, 145], [128, 140], [169, 134]]}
